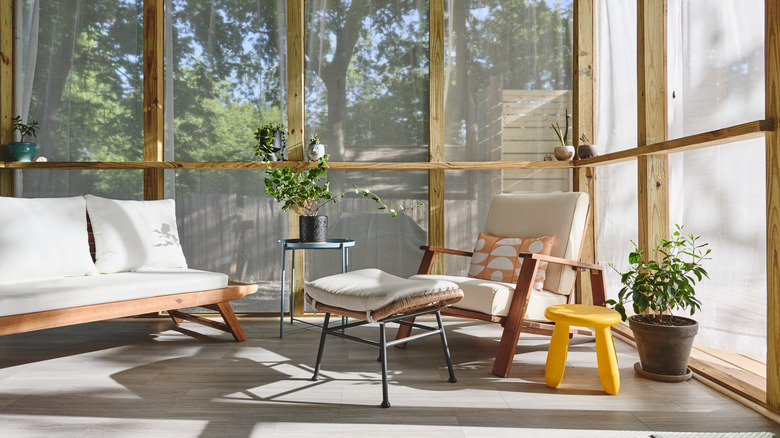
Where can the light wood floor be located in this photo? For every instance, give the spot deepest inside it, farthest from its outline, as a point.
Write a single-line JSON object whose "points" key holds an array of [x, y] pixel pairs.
{"points": [[149, 378]]}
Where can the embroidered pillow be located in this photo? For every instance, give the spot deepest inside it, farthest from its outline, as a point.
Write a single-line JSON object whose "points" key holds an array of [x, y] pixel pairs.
{"points": [[131, 235], [496, 258]]}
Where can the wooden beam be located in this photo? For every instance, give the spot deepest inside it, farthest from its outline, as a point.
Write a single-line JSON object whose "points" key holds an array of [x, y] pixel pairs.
{"points": [[730, 134], [772, 105], [653, 170], [6, 92], [154, 128], [585, 123], [295, 122], [436, 130]]}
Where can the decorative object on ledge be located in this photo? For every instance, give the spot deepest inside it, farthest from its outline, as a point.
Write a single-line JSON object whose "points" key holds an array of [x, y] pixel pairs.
{"points": [[314, 150], [587, 150], [306, 191], [271, 142], [21, 150], [563, 152], [664, 341]]}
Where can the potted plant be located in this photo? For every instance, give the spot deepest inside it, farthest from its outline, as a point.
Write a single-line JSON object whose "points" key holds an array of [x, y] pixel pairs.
{"points": [[563, 152], [306, 191], [585, 149], [656, 289], [314, 150], [271, 142], [21, 150]]}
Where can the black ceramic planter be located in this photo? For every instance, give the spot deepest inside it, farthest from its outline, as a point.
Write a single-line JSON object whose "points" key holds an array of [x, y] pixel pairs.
{"points": [[664, 350], [313, 228]]}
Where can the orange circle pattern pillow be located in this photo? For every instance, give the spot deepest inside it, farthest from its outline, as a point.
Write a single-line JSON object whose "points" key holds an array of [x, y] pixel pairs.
{"points": [[496, 258]]}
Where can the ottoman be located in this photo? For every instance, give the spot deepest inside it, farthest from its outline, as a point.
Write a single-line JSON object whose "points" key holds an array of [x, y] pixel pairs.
{"points": [[374, 296]]}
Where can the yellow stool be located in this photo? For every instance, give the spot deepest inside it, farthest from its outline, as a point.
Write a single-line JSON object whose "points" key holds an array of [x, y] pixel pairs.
{"points": [[581, 315]]}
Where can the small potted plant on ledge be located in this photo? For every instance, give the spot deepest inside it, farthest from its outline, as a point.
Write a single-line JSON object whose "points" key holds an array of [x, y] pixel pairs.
{"points": [[585, 149], [656, 289], [314, 150], [271, 142], [564, 152], [306, 191], [21, 150]]}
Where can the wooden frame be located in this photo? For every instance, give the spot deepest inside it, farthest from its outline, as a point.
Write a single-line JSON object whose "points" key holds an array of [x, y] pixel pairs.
{"points": [[215, 299]]}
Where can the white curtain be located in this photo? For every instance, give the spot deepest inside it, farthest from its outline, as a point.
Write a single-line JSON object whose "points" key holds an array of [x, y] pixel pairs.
{"points": [[715, 68]]}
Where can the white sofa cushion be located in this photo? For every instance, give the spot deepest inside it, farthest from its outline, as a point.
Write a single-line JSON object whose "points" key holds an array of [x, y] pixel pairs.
{"points": [[43, 238], [60, 293], [131, 235], [370, 289], [494, 298]]}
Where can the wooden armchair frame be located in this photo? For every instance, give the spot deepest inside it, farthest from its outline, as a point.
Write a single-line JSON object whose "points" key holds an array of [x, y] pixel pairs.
{"points": [[514, 322]]}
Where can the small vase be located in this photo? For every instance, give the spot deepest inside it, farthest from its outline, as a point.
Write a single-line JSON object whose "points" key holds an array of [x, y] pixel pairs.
{"points": [[313, 229], [587, 150], [564, 153], [315, 151], [21, 151]]}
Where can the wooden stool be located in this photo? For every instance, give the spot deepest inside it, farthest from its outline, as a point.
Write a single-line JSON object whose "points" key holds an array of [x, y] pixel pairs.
{"points": [[582, 315]]}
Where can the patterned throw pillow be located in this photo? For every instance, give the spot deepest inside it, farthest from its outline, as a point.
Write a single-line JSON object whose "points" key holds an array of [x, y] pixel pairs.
{"points": [[496, 258]]}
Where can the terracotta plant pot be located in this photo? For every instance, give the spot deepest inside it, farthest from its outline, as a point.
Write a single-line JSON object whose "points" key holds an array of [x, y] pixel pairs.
{"points": [[664, 350], [313, 228]]}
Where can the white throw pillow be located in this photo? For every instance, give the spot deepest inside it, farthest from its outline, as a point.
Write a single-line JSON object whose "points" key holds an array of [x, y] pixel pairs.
{"points": [[43, 238], [132, 235]]}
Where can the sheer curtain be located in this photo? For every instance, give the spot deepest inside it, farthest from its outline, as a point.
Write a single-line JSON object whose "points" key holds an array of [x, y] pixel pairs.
{"points": [[718, 81], [715, 68]]}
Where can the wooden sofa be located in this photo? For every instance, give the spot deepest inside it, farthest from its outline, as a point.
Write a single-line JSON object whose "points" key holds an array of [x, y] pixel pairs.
{"points": [[40, 301]]}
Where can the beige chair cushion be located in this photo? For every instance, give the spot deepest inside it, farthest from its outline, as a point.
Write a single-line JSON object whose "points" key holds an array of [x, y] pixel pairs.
{"points": [[494, 298], [562, 215], [368, 290]]}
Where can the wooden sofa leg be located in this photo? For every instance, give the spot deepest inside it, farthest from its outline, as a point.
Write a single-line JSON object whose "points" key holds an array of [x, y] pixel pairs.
{"points": [[232, 322]]}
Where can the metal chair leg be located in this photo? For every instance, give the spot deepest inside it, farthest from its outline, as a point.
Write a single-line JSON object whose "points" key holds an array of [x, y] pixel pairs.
{"points": [[446, 347], [316, 375], [383, 358]]}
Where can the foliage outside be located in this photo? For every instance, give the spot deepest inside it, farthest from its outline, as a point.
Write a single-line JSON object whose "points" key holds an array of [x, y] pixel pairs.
{"points": [[665, 285], [306, 191], [24, 129]]}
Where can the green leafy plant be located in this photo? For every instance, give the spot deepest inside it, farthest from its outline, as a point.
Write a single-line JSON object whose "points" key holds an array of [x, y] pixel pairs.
{"points": [[306, 191], [314, 139], [24, 129], [665, 285], [563, 136], [265, 136]]}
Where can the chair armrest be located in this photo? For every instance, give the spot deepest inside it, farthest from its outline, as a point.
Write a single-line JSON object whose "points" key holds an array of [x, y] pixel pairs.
{"points": [[447, 250], [578, 266], [426, 264], [597, 280]]}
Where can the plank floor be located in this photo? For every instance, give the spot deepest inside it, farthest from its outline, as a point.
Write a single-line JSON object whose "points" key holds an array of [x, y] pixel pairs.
{"points": [[149, 377]]}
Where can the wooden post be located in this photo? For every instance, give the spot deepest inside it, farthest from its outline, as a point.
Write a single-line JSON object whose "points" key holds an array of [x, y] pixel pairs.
{"points": [[436, 130], [772, 66], [653, 170], [6, 92], [585, 123], [154, 133], [295, 122]]}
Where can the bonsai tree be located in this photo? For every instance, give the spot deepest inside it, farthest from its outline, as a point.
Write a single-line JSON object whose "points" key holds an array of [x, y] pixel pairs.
{"points": [[271, 138], [25, 129], [308, 190], [666, 285]]}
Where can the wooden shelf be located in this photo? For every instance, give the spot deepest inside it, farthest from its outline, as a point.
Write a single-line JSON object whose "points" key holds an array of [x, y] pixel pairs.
{"points": [[730, 134]]}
